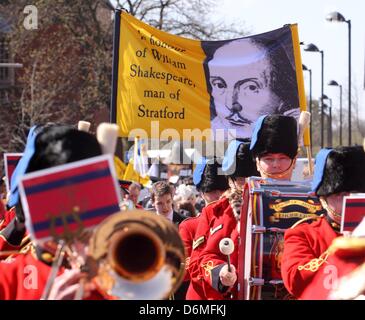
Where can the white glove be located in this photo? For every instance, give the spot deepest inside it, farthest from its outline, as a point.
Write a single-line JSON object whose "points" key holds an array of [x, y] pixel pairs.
{"points": [[227, 278]]}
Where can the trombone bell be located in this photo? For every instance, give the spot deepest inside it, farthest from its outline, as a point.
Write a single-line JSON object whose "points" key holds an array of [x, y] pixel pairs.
{"points": [[137, 255]]}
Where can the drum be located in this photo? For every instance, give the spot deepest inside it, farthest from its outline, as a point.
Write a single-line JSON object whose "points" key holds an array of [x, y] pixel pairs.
{"points": [[269, 208]]}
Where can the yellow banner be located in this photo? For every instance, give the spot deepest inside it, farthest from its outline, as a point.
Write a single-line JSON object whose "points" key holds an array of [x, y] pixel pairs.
{"points": [[161, 78], [165, 84]]}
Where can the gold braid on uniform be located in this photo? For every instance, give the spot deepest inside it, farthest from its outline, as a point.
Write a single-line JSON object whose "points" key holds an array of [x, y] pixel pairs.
{"points": [[353, 246], [208, 266], [315, 263]]}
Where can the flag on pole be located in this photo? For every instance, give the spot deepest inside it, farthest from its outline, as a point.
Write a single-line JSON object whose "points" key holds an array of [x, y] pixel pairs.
{"points": [[140, 158], [353, 212], [131, 175], [120, 167], [60, 202], [10, 162]]}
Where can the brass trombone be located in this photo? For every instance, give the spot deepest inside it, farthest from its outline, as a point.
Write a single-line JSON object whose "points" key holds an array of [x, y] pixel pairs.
{"points": [[136, 255]]}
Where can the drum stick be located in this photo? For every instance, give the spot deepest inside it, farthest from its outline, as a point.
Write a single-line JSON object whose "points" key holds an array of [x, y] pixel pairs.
{"points": [[226, 246]]}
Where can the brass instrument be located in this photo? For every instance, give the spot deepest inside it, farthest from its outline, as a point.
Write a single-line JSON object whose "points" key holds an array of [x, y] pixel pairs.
{"points": [[136, 255]]}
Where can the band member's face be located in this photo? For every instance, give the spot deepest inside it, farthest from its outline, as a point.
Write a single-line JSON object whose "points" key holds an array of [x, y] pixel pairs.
{"points": [[275, 163], [335, 201], [163, 204], [241, 93]]}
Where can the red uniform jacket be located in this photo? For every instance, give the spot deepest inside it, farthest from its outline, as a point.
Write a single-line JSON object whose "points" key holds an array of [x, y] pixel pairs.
{"points": [[217, 223], [302, 244], [6, 218], [327, 277], [187, 230], [24, 278], [196, 289]]}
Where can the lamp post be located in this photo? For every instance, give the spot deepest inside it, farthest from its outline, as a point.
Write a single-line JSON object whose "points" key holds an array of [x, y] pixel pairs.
{"points": [[310, 98], [335, 83], [313, 48], [329, 128], [338, 17]]}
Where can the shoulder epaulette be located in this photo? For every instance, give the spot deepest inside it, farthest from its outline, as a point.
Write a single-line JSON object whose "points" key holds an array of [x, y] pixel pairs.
{"points": [[198, 242]]}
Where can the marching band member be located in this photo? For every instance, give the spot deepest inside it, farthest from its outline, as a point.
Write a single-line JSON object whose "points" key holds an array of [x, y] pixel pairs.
{"points": [[337, 172], [13, 233], [220, 221], [211, 185], [274, 146], [25, 275], [274, 160], [343, 277]]}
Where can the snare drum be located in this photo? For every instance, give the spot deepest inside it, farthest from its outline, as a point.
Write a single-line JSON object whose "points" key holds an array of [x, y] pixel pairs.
{"points": [[269, 208]]}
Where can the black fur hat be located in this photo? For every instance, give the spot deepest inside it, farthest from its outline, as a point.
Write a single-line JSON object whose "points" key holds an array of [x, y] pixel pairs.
{"points": [[275, 134], [238, 160], [207, 178], [343, 171], [60, 144]]}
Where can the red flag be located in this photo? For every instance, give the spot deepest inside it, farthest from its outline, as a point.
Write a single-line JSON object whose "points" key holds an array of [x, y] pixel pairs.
{"points": [[353, 212], [61, 201], [10, 162]]}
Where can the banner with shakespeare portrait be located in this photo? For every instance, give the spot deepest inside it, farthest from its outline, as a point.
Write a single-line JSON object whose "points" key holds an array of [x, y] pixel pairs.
{"points": [[166, 82]]}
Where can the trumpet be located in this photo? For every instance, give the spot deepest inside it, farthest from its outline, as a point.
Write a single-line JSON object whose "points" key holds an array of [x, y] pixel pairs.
{"points": [[136, 255]]}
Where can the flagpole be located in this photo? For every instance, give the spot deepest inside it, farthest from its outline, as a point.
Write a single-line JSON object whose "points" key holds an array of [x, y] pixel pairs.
{"points": [[115, 67]]}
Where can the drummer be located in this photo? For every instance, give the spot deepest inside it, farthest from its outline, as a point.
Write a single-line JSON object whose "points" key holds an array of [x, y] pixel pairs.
{"points": [[274, 146], [211, 185], [337, 172], [221, 221]]}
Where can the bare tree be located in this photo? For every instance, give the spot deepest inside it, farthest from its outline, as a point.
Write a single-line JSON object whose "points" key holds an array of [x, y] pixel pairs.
{"points": [[68, 59], [189, 18]]}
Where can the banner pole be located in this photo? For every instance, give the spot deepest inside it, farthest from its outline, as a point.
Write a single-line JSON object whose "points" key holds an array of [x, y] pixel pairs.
{"points": [[310, 164], [115, 66]]}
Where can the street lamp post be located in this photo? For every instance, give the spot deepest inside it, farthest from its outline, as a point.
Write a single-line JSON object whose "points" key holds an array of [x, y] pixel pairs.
{"points": [[310, 98], [338, 17], [329, 126], [335, 83], [313, 48]]}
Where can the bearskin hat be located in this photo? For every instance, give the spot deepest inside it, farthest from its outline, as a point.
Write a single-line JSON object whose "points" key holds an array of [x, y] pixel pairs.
{"points": [[207, 177], [238, 160], [275, 134], [49, 146], [60, 144], [339, 170]]}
